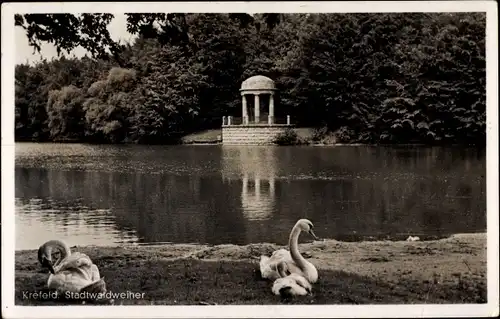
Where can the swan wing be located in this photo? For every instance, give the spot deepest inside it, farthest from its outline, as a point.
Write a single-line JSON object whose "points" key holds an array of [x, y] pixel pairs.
{"points": [[78, 264], [266, 270], [75, 260], [268, 265], [67, 281], [264, 261], [98, 286], [281, 254], [91, 270]]}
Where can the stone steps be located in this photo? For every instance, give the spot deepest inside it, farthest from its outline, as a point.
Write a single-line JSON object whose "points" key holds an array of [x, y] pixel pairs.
{"points": [[251, 135]]}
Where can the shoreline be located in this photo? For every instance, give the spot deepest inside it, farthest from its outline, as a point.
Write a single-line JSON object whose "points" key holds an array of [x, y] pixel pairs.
{"points": [[454, 267], [304, 138], [292, 145]]}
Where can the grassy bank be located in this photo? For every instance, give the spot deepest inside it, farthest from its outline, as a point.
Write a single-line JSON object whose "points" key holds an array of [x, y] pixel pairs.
{"points": [[203, 137], [451, 270]]}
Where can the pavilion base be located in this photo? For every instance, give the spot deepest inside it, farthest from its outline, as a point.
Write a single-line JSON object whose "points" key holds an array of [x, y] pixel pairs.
{"points": [[254, 134]]}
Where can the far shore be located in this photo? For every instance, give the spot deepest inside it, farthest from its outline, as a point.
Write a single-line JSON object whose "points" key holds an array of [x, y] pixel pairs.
{"points": [[449, 270], [312, 144], [214, 137]]}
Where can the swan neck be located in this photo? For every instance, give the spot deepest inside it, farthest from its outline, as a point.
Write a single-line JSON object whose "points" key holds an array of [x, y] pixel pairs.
{"points": [[293, 243]]}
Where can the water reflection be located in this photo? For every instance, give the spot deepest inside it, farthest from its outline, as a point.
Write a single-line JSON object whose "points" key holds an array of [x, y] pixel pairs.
{"points": [[257, 168], [42, 220], [167, 208], [110, 195], [259, 204]]}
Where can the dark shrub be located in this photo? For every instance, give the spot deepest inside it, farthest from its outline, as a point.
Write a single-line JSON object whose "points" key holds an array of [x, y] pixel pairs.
{"points": [[287, 137]]}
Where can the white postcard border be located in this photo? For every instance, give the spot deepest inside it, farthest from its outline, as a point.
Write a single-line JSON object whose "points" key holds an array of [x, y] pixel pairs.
{"points": [[9, 310]]}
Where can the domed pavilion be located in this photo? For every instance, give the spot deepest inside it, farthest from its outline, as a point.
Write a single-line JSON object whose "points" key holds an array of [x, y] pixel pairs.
{"points": [[253, 128], [255, 87]]}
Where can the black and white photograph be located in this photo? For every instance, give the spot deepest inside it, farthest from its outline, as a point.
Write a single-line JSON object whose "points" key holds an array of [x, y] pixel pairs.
{"points": [[249, 159]]}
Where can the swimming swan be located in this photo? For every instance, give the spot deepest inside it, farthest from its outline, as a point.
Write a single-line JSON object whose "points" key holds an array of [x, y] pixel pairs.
{"points": [[290, 284], [295, 262], [71, 272]]}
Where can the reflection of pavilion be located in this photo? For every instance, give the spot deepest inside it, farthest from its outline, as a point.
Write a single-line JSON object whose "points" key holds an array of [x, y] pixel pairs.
{"points": [[256, 166], [258, 203]]}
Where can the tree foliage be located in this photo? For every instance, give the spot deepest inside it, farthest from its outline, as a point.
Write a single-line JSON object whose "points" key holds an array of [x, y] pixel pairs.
{"points": [[375, 78], [68, 31]]}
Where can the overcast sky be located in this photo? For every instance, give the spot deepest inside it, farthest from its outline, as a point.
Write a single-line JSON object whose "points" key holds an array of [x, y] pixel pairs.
{"points": [[24, 52]]}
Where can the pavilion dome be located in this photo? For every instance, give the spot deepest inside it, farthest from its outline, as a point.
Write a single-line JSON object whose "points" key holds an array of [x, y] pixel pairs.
{"points": [[258, 82]]}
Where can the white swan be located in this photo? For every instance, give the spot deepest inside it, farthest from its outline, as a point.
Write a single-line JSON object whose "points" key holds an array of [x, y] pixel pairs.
{"points": [[295, 262], [290, 285], [70, 272]]}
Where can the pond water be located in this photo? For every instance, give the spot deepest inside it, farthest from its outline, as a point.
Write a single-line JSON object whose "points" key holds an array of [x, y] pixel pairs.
{"points": [[214, 194]]}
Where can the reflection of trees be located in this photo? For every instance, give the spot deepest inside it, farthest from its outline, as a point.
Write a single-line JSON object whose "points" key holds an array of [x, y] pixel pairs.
{"points": [[378, 207], [159, 208], [45, 219], [368, 190], [171, 208], [264, 190]]}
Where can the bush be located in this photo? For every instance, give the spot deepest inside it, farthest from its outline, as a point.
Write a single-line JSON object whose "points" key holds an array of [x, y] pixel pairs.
{"points": [[319, 133], [345, 135], [287, 137]]}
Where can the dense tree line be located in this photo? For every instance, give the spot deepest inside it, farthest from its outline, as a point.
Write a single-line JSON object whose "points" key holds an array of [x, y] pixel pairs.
{"points": [[372, 78]]}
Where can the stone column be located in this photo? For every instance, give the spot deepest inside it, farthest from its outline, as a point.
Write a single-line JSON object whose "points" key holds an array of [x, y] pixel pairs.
{"points": [[223, 120], [244, 114], [257, 108], [288, 119], [271, 108]]}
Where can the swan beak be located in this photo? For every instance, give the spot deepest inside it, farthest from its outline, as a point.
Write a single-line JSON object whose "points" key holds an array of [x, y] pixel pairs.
{"points": [[48, 263], [313, 234], [51, 267]]}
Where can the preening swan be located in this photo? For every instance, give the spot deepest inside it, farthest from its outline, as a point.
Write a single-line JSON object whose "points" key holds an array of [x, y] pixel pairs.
{"points": [[69, 272], [290, 285], [295, 262]]}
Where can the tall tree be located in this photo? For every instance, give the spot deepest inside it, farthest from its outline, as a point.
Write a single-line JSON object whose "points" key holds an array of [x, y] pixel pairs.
{"points": [[388, 77]]}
